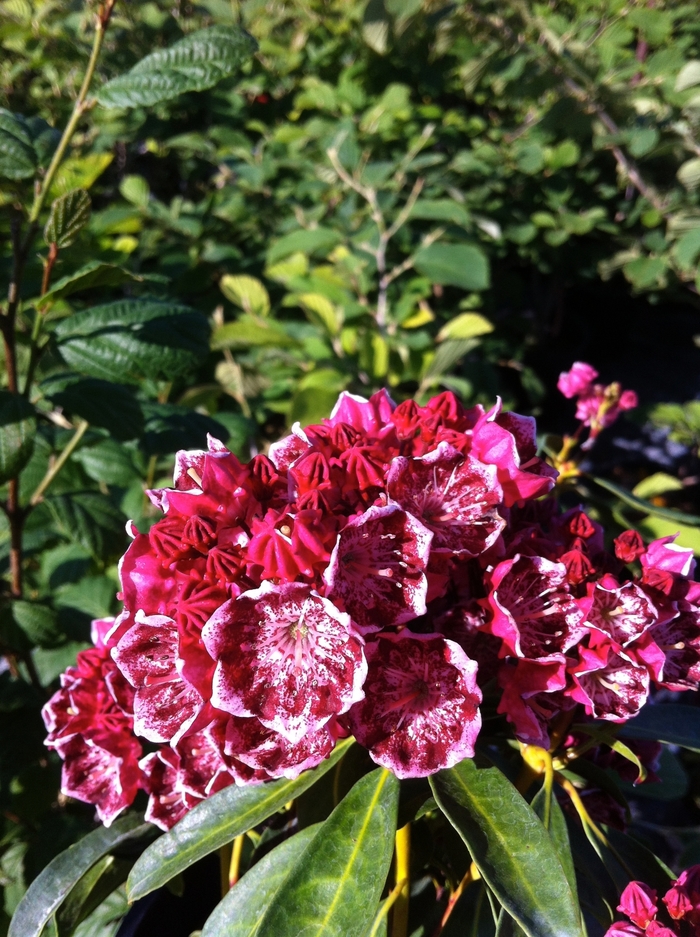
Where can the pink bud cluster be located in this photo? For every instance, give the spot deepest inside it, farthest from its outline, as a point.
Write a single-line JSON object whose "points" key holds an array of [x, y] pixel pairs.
{"points": [[597, 405], [357, 580], [640, 906]]}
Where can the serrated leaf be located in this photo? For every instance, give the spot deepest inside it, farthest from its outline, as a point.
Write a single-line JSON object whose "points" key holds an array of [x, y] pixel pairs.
{"points": [[102, 403], [678, 517], [130, 340], [240, 911], [462, 265], [79, 172], [334, 888], [108, 462], [17, 157], [90, 519], [195, 63], [217, 821], [246, 292], [94, 274], [170, 426], [69, 214], [674, 723], [54, 883], [466, 325], [510, 847], [38, 622], [17, 431]]}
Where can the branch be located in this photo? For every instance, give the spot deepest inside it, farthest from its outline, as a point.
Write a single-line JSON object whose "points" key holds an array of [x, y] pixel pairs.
{"points": [[59, 463]]}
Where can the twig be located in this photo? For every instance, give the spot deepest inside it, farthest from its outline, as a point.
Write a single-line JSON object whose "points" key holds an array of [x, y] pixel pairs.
{"points": [[54, 469]]}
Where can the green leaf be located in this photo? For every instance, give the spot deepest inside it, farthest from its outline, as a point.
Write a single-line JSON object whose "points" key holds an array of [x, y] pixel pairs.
{"points": [[674, 723], [334, 889], [646, 506], [511, 848], [466, 325], [25, 144], [90, 519], [463, 265], [38, 622], [50, 888], [655, 527], [69, 214], [689, 173], [441, 209], [17, 430], [17, 157], [217, 821], [249, 332], [133, 339], [94, 274], [688, 76], [102, 403], [108, 462], [447, 356], [89, 893], [306, 241], [196, 62], [657, 484], [558, 833], [246, 292], [240, 911]]}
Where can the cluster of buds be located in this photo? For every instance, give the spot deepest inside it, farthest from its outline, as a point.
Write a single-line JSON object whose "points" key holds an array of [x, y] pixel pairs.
{"points": [[640, 906], [597, 405], [368, 576]]}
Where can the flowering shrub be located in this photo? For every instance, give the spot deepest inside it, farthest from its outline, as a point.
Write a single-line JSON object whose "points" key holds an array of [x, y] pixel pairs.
{"points": [[370, 575]]}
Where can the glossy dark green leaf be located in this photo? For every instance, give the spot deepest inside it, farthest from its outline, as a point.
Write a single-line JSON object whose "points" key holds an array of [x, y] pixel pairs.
{"points": [[90, 519], [558, 833], [17, 429], [647, 507], [334, 890], [638, 861], [510, 847], [241, 910], [463, 265], [68, 216], [92, 889], [471, 914], [134, 339], [674, 723], [50, 888], [170, 427], [196, 62], [217, 821]]}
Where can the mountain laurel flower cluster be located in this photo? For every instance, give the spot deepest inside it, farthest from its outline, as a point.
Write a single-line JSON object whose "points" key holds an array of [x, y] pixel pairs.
{"points": [[368, 576], [680, 909], [597, 405]]}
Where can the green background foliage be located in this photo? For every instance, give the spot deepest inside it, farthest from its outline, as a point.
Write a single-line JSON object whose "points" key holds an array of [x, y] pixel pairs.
{"points": [[383, 194]]}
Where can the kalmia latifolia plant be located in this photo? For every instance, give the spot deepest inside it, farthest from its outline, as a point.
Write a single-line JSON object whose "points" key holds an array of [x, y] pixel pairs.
{"points": [[404, 577]]}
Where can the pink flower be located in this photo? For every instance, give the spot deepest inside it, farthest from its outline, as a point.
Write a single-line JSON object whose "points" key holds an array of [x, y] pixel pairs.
{"points": [[287, 656], [609, 684], [377, 569], [421, 707], [90, 724], [629, 546], [638, 903], [533, 611], [452, 495], [683, 898], [263, 750], [623, 613], [532, 695], [679, 641], [578, 380], [149, 656]]}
